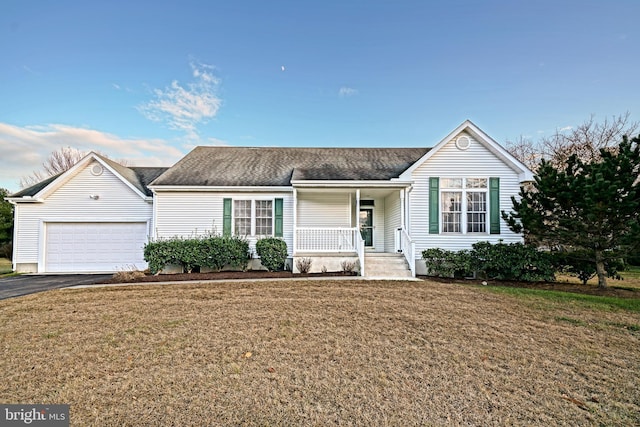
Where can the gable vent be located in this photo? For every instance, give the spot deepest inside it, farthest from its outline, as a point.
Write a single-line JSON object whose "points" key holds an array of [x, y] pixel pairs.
{"points": [[463, 142], [96, 169]]}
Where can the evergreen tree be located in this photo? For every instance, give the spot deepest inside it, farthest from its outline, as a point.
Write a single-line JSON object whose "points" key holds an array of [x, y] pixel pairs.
{"points": [[6, 218], [589, 207]]}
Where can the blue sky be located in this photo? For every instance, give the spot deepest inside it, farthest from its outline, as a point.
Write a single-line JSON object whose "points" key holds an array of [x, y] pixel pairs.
{"points": [[147, 81]]}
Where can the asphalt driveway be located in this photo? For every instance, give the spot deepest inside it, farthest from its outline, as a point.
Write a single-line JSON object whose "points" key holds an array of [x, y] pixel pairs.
{"points": [[15, 286]]}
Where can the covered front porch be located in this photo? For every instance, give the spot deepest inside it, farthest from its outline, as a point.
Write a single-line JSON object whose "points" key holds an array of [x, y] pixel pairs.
{"points": [[338, 224]]}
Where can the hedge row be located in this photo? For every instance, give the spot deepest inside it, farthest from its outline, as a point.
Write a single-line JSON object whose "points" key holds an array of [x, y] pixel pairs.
{"points": [[214, 252], [501, 261]]}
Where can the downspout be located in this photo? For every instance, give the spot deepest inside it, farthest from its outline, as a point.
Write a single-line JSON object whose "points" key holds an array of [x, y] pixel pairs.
{"points": [[14, 262], [154, 216]]}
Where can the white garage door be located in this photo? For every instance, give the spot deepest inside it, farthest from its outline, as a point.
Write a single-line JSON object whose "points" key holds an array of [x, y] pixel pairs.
{"points": [[93, 247]]}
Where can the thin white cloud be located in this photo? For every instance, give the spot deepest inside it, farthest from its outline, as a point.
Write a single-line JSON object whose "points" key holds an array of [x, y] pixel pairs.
{"points": [[566, 128], [347, 91], [24, 149], [184, 107], [29, 70], [116, 86], [217, 142]]}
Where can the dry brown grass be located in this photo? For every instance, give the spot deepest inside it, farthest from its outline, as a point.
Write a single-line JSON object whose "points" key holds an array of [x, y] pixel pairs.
{"points": [[630, 279], [319, 353]]}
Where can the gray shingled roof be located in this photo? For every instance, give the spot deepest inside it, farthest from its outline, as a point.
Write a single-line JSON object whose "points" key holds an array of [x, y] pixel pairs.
{"points": [[249, 166], [146, 175], [138, 176], [36, 188]]}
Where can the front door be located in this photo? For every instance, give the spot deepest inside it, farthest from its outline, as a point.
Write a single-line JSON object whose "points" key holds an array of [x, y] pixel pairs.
{"points": [[366, 226]]}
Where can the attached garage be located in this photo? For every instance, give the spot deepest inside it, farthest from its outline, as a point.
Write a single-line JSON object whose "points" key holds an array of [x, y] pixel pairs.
{"points": [[93, 246]]}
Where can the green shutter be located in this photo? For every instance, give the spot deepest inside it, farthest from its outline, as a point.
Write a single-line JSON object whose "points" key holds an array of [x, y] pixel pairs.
{"points": [[494, 205], [434, 203], [278, 218], [226, 217]]}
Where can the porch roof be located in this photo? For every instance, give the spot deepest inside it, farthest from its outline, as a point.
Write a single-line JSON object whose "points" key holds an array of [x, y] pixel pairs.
{"points": [[278, 166]]}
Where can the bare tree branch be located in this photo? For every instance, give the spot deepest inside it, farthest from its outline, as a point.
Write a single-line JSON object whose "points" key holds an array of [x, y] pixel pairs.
{"points": [[525, 150], [586, 140], [58, 161]]}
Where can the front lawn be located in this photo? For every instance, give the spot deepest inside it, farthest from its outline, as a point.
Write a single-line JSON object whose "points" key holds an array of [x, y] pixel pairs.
{"points": [[322, 352], [630, 279]]}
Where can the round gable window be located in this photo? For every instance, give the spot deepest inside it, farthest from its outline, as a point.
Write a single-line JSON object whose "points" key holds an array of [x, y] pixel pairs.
{"points": [[96, 169], [463, 142]]}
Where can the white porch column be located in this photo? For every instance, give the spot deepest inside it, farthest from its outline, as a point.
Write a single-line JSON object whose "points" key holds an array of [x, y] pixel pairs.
{"points": [[407, 209], [402, 209], [295, 220], [358, 208]]}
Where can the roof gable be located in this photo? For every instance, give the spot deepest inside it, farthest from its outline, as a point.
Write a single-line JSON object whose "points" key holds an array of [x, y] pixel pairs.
{"points": [[136, 178], [279, 166], [467, 126]]}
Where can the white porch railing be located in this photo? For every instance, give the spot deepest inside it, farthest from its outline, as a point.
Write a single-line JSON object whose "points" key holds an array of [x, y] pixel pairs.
{"points": [[325, 239], [408, 247], [360, 249], [330, 240]]}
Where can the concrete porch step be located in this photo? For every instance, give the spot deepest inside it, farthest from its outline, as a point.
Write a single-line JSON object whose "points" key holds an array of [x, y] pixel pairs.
{"points": [[386, 265]]}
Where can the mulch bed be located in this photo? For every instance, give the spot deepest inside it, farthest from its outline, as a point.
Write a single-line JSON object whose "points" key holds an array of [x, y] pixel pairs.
{"points": [[261, 274], [223, 275]]}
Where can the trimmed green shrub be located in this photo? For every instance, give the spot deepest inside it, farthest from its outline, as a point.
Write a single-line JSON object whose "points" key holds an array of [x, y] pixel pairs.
{"points": [[272, 252], [501, 261], [514, 261], [214, 252], [443, 263], [237, 251]]}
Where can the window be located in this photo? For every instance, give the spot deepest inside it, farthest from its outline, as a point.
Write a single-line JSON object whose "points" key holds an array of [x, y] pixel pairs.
{"points": [[476, 212], [264, 217], [451, 211], [242, 217], [250, 217], [466, 196]]}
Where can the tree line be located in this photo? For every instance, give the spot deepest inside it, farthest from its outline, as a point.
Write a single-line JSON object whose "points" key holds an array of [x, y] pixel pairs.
{"points": [[584, 202]]}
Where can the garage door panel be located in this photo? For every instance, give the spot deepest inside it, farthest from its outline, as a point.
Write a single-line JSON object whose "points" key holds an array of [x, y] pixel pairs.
{"points": [[87, 247]]}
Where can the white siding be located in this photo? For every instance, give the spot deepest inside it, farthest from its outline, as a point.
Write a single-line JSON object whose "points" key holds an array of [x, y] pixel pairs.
{"points": [[391, 220], [477, 161], [188, 214], [319, 209], [71, 203]]}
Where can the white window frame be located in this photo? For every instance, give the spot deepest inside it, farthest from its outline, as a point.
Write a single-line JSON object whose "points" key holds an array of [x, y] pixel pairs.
{"points": [[464, 212], [234, 216], [255, 217], [253, 214]]}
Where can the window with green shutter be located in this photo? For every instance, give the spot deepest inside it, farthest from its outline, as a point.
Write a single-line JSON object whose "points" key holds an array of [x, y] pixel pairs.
{"points": [[494, 205], [279, 223], [464, 205], [226, 217], [434, 201], [253, 217]]}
